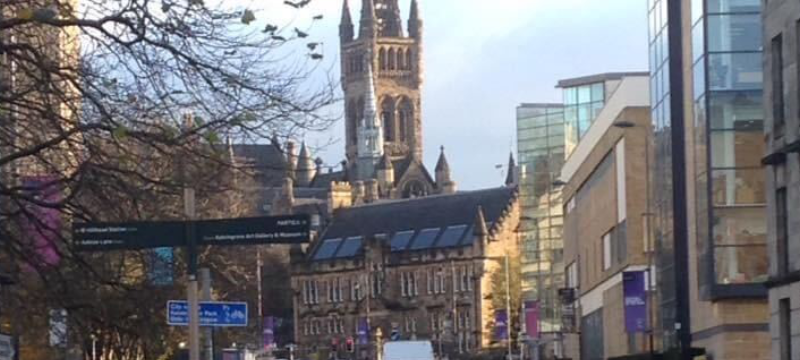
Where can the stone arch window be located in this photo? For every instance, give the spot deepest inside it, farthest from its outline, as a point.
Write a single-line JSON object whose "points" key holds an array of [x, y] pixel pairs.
{"points": [[401, 59], [388, 119], [382, 59], [392, 59], [414, 189], [409, 59], [406, 118], [361, 63], [352, 120]]}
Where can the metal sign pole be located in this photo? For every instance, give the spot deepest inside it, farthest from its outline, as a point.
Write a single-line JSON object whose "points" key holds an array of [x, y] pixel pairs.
{"points": [[191, 253]]}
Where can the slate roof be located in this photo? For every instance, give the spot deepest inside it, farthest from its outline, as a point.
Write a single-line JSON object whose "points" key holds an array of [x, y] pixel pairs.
{"points": [[413, 224], [323, 180], [401, 167], [267, 159]]}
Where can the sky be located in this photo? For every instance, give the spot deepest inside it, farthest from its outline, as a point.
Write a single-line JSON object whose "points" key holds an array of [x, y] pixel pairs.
{"points": [[482, 59]]}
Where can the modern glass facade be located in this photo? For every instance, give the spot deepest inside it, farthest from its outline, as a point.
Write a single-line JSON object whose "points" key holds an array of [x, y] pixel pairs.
{"points": [[663, 202], [729, 145], [582, 104], [541, 147]]}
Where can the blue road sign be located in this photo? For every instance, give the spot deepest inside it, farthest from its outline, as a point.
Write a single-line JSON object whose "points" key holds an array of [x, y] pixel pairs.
{"points": [[212, 313]]}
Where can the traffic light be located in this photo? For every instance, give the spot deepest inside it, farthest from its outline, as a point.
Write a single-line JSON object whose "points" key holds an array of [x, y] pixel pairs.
{"points": [[350, 345]]}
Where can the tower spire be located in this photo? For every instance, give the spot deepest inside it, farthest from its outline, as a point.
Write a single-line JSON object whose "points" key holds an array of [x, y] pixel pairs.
{"points": [[370, 132], [346, 25], [368, 19], [414, 21], [511, 178]]}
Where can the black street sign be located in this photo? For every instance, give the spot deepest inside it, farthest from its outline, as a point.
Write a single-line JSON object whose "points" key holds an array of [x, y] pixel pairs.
{"points": [[128, 236], [254, 231], [145, 235]]}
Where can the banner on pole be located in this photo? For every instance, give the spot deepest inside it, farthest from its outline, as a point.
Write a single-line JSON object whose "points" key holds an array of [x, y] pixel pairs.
{"points": [[269, 332], [532, 319], [501, 324], [635, 297], [363, 331]]}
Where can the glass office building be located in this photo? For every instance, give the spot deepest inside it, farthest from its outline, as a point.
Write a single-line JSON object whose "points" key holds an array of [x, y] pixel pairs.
{"points": [[541, 147], [663, 200], [582, 104], [729, 145], [708, 161]]}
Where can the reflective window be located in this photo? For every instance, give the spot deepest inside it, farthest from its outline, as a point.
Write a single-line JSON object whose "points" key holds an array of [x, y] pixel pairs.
{"points": [[350, 247], [735, 110], [732, 6], [735, 71], [327, 249], [401, 239], [741, 32], [741, 264], [451, 236], [425, 239], [738, 187]]}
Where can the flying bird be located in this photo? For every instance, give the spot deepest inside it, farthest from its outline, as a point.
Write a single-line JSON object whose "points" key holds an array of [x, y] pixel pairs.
{"points": [[297, 5], [300, 33], [312, 46], [316, 56], [318, 17], [278, 38], [270, 28]]}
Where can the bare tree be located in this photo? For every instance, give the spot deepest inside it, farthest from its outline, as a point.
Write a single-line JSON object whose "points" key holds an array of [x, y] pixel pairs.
{"points": [[93, 126]]}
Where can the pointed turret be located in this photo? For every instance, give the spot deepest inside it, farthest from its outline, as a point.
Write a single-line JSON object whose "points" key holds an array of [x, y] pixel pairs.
{"points": [[305, 167], [346, 26], [390, 21], [511, 176], [385, 172], [370, 132], [414, 21], [291, 160], [444, 181], [369, 23], [480, 229]]}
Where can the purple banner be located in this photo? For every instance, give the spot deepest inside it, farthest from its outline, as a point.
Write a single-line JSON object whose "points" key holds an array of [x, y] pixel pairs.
{"points": [[363, 331], [532, 319], [501, 324], [269, 332], [635, 298], [42, 223]]}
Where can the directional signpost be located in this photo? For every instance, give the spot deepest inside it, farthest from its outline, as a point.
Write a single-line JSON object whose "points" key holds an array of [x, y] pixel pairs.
{"points": [[191, 234], [212, 313], [147, 235]]}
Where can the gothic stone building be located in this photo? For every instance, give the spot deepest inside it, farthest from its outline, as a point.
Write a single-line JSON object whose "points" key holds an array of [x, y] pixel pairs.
{"points": [[406, 267]]}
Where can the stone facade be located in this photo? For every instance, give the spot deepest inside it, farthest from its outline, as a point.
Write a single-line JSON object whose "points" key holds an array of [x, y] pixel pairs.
{"points": [[781, 19], [407, 268], [605, 230]]}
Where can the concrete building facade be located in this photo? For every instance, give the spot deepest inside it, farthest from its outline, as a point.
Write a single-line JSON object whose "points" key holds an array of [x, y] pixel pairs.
{"points": [[781, 34], [709, 200]]}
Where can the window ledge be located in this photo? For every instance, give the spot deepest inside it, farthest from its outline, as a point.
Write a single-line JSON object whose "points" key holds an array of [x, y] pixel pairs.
{"points": [[720, 292], [779, 157], [781, 280]]}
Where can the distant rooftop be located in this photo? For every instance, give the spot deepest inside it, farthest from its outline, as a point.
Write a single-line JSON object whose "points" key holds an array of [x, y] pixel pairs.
{"points": [[590, 79], [441, 221], [540, 105]]}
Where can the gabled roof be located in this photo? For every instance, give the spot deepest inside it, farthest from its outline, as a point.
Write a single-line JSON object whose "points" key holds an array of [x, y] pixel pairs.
{"points": [[401, 167], [419, 224], [267, 159]]}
